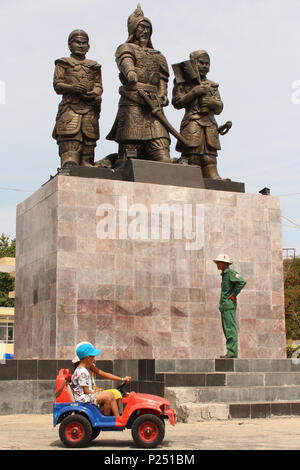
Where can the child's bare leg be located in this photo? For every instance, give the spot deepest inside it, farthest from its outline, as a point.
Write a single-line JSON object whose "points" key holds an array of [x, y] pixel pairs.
{"points": [[110, 403], [114, 407], [105, 398]]}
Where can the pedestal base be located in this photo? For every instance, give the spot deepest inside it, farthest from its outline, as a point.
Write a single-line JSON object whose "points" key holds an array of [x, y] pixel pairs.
{"points": [[145, 171], [151, 290]]}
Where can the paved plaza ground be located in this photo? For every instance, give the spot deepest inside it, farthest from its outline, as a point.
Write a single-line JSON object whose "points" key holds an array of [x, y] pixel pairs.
{"points": [[36, 432]]}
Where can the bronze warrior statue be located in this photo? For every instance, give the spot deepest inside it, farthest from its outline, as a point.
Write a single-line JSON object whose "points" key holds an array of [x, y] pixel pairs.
{"points": [[201, 99], [79, 81], [144, 76]]}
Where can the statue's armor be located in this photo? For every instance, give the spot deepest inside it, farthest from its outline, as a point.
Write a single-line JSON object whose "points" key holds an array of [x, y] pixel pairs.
{"points": [[148, 63], [134, 121], [199, 129], [76, 117]]}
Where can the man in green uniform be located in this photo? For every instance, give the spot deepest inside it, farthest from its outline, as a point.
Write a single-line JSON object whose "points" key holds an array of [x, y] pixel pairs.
{"points": [[232, 284]]}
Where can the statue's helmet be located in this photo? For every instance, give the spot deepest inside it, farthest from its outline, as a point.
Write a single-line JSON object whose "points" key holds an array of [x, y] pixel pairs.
{"points": [[201, 53], [77, 33], [194, 56], [134, 20]]}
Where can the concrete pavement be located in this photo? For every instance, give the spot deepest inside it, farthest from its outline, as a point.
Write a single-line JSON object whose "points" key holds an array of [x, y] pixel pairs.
{"points": [[36, 432]]}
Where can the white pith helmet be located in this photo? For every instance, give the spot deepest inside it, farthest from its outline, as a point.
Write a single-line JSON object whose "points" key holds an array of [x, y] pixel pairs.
{"points": [[224, 258]]}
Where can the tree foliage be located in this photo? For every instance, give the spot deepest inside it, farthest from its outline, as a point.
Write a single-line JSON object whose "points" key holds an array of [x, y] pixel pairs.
{"points": [[7, 246], [7, 282], [292, 320]]}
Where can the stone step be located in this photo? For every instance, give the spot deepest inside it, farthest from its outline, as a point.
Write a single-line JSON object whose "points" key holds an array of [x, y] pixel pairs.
{"points": [[231, 379], [226, 365], [193, 404], [190, 404], [238, 394], [195, 412], [267, 379]]}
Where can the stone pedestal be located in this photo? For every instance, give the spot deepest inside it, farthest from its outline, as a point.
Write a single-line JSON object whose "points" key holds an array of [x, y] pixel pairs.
{"points": [[145, 171], [150, 292]]}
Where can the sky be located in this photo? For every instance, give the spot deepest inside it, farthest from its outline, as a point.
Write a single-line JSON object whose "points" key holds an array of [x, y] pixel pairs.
{"points": [[255, 58]]}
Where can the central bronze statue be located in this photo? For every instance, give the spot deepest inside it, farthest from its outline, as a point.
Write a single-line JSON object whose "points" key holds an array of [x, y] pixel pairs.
{"points": [[139, 126]]}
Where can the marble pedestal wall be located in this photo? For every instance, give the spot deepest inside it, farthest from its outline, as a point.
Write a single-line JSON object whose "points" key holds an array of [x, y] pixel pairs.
{"points": [[144, 298]]}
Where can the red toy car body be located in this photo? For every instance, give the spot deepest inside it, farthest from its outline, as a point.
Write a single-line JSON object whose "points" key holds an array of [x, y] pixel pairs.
{"points": [[82, 422]]}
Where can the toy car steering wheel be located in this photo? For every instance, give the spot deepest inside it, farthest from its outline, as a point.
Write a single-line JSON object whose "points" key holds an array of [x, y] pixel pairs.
{"points": [[120, 388]]}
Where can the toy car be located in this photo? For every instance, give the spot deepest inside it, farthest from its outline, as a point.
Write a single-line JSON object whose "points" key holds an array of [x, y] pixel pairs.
{"points": [[80, 423]]}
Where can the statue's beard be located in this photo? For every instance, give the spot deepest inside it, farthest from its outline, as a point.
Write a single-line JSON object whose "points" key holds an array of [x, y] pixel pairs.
{"points": [[144, 41]]}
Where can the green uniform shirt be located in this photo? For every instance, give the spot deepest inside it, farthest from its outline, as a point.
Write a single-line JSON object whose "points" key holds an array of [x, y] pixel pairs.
{"points": [[232, 284]]}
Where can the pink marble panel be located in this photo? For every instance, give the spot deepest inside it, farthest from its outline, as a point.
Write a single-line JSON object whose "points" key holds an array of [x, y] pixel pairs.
{"points": [[144, 298], [247, 336]]}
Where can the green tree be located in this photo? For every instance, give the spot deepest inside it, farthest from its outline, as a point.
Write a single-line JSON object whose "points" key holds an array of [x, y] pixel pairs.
{"points": [[292, 320], [7, 246], [7, 282]]}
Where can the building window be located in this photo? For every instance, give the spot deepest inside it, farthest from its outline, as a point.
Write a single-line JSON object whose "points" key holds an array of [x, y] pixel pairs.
{"points": [[6, 330]]}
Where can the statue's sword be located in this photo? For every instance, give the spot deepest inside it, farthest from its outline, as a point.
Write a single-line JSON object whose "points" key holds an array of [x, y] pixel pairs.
{"points": [[157, 112]]}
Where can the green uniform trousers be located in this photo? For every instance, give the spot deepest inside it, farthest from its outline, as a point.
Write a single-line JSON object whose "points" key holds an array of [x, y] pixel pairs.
{"points": [[230, 330], [232, 284]]}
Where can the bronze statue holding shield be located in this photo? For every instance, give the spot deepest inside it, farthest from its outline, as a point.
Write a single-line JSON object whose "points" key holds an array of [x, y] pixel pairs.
{"points": [[201, 99]]}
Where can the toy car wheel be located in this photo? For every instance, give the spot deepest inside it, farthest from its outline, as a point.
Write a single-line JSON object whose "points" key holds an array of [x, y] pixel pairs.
{"points": [[95, 433], [75, 431], [148, 431]]}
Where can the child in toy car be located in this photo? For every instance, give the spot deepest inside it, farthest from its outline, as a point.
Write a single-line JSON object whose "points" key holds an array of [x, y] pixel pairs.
{"points": [[93, 370], [82, 382]]}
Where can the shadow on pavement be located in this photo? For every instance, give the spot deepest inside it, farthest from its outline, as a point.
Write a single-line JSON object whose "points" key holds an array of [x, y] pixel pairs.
{"points": [[108, 444]]}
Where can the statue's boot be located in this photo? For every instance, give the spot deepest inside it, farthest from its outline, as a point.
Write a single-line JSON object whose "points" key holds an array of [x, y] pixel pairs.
{"points": [[69, 158], [87, 160], [210, 171], [157, 150], [160, 156]]}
